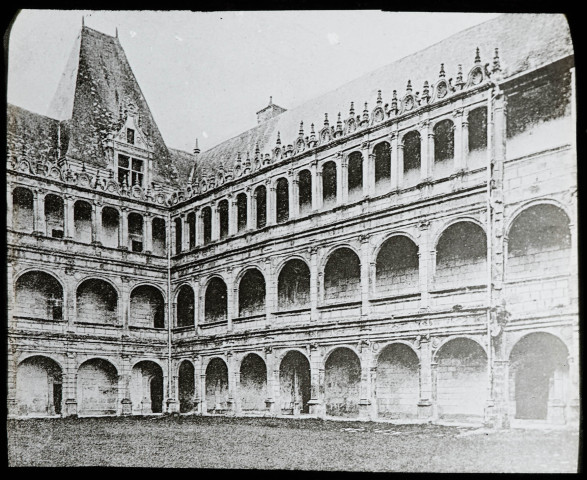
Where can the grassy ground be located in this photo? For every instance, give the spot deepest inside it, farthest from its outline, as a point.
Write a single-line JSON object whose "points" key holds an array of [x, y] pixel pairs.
{"points": [[265, 443]]}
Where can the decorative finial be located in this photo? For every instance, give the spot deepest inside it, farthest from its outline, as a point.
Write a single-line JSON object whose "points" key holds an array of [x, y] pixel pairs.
{"points": [[441, 74], [278, 142], [366, 112], [394, 101], [312, 132], [196, 148], [496, 62], [339, 122], [301, 132], [257, 151], [83, 166], [271, 100], [326, 120], [477, 56], [379, 99], [352, 109], [425, 92], [409, 86], [459, 83]]}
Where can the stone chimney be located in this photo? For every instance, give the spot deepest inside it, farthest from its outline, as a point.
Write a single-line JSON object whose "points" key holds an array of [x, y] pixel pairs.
{"points": [[269, 112]]}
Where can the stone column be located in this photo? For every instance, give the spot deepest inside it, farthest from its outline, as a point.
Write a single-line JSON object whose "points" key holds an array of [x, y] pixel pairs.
{"points": [[12, 365], [252, 221], [316, 402], [270, 292], [123, 229], [270, 394], [465, 141], [314, 288], [365, 266], [39, 226], [148, 232], [185, 233], [231, 299], [124, 302], [426, 255], [233, 384], [458, 139], [203, 407], [396, 172], [368, 170], [271, 201], [195, 282], [366, 395], [573, 396], [69, 385], [215, 223], [199, 395], [9, 205], [125, 376], [425, 404], [96, 214], [68, 220], [294, 198], [316, 185], [427, 156], [69, 295], [342, 179], [251, 225], [199, 227], [232, 216]]}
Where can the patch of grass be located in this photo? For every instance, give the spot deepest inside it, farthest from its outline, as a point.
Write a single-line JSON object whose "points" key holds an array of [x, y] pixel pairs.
{"points": [[271, 443]]}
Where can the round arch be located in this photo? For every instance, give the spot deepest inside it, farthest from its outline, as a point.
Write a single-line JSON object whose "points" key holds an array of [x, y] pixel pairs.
{"points": [[97, 387], [511, 217], [147, 387], [342, 378], [216, 388], [39, 381], [294, 382]]}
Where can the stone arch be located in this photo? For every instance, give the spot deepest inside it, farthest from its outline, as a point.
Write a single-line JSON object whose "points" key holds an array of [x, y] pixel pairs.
{"points": [[39, 386], [260, 197], [382, 153], [241, 211], [294, 383], [186, 386], [444, 144], [342, 276], [54, 215], [293, 284], [110, 226], [223, 220], [461, 378], [22, 209], [282, 205], [342, 378], [539, 242], [461, 255], [538, 377], [397, 265], [355, 177], [38, 294], [215, 300], [146, 387], [251, 292], [97, 387], [329, 183], [397, 386], [185, 304], [253, 382], [216, 385], [136, 226], [159, 235], [82, 221], [97, 301], [147, 307], [412, 153], [305, 190], [207, 224]]}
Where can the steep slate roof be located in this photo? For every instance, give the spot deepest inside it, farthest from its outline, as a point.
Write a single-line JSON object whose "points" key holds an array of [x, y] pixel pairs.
{"points": [[30, 135], [525, 42], [97, 82]]}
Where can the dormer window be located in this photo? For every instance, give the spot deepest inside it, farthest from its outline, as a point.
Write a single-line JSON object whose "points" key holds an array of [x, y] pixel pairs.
{"points": [[130, 170], [130, 136]]}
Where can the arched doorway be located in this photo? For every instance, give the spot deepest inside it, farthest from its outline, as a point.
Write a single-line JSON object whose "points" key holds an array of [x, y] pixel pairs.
{"points": [[146, 389], [186, 384], [216, 386], [38, 387], [538, 376], [97, 388], [342, 383], [253, 383], [294, 383], [397, 383]]}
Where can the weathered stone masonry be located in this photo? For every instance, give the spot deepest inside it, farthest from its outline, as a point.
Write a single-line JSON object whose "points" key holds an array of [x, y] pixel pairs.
{"points": [[413, 260]]}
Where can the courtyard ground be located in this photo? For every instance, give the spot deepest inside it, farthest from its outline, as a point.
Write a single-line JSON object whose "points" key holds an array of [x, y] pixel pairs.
{"points": [[276, 443]]}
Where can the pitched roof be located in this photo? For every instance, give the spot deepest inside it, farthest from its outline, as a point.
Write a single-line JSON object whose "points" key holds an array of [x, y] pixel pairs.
{"points": [[525, 42]]}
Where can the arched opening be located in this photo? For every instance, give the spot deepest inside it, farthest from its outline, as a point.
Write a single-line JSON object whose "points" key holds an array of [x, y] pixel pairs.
{"points": [[178, 222], [191, 220], [293, 285], [261, 206], [223, 218], [82, 221], [241, 206], [397, 265], [215, 306], [38, 295], [216, 386], [342, 378], [135, 232], [282, 200], [538, 377], [329, 184], [39, 387], [185, 306], [147, 307], [355, 175], [305, 191], [159, 237], [146, 388], [54, 215], [539, 243], [22, 210], [382, 152], [412, 156], [477, 140], [253, 384], [97, 388], [342, 276], [97, 302], [461, 379], [207, 223], [186, 386], [397, 386], [461, 256], [251, 294], [294, 383], [110, 226], [444, 147]]}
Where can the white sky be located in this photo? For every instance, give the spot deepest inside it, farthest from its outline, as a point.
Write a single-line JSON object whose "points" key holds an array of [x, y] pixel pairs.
{"points": [[206, 75]]}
